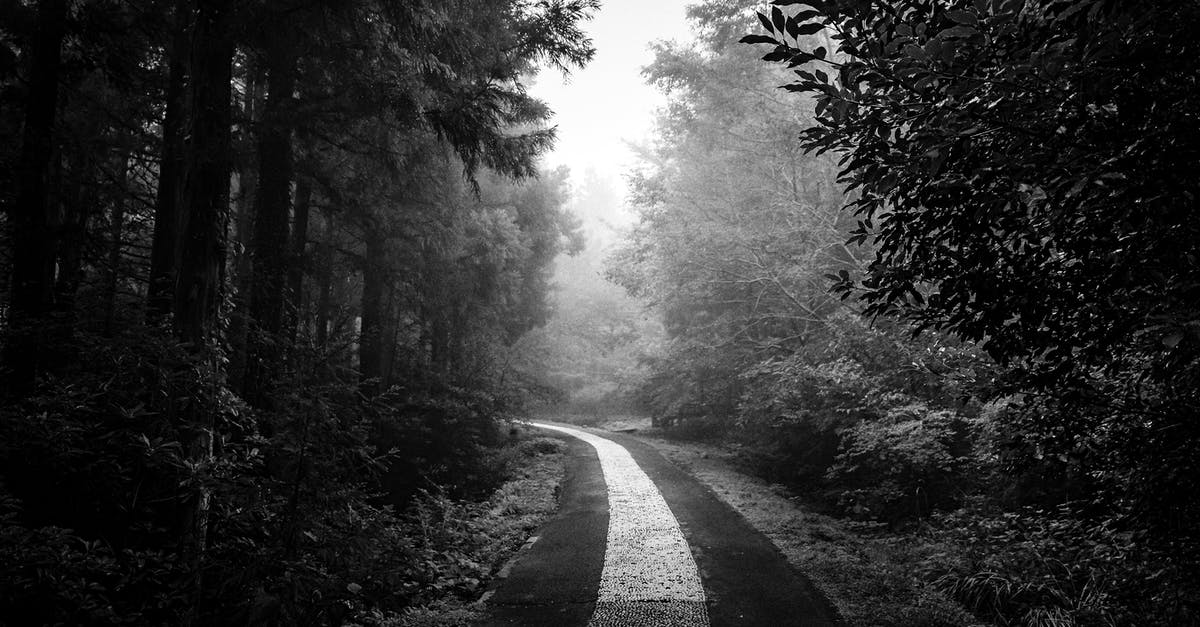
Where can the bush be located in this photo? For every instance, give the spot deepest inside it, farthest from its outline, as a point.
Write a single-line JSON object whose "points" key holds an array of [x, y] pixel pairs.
{"points": [[1037, 567], [437, 439], [541, 445], [908, 463], [96, 479], [858, 390], [794, 412], [50, 575], [95, 476]]}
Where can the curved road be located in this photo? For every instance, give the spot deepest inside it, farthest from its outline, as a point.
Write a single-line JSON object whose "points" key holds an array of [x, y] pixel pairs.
{"points": [[637, 541]]}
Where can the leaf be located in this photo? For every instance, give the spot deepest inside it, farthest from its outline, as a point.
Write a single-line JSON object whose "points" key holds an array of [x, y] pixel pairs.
{"points": [[963, 17], [778, 19], [1077, 187], [916, 52], [778, 54], [758, 39], [937, 156], [958, 32], [809, 29], [766, 22]]}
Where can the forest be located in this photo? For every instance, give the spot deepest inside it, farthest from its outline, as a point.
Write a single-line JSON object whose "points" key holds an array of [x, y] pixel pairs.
{"points": [[281, 276], [262, 264]]}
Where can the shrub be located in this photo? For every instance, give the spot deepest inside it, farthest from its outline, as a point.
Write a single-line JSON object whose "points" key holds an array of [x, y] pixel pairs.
{"points": [[436, 438], [793, 411], [911, 461], [1037, 567], [96, 475], [541, 445], [50, 575]]}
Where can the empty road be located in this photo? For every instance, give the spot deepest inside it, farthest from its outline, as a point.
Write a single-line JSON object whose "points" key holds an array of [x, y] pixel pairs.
{"points": [[637, 541]]}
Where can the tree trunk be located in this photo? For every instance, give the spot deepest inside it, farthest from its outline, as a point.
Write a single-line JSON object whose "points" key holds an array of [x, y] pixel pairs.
{"points": [[271, 208], [247, 184], [207, 162], [370, 339], [201, 272], [68, 208], [388, 328], [33, 241], [168, 212], [439, 346], [297, 263], [116, 228], [325, 283]]}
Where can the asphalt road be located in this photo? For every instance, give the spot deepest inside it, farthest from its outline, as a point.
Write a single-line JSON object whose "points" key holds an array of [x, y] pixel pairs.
{"points": [[555, 581]]}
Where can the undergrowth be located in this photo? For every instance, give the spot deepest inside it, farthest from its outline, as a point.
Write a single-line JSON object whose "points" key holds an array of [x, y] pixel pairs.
{"points": [[461, 544]]}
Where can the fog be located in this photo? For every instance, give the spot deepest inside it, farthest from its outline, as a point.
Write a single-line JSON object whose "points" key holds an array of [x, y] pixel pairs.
{"points": [[596, 340]]}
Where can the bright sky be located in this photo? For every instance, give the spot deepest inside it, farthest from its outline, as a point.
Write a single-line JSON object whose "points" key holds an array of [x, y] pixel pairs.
{"points": [[607, 103]]}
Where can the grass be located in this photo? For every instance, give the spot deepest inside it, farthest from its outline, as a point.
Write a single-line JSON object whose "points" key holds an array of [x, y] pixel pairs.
{"points": [[873, 577]]}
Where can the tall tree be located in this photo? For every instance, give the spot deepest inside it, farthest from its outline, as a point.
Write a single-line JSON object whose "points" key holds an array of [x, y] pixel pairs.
{"points": [[198, 289], [738, 228], [272, 208], [482, 111], [32, 236], [200, 286], [168, 213]]}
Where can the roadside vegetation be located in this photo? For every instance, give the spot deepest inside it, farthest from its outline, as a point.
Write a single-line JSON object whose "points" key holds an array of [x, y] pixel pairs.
{"points": [[931, 267], [263, 263]]}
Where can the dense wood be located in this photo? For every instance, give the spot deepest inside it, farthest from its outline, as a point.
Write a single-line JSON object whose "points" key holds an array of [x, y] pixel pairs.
{"points": [[179, 452]]}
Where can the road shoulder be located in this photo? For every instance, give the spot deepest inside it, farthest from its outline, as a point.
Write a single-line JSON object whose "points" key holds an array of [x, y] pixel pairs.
{"points": [[552, 581], [867, 575]]}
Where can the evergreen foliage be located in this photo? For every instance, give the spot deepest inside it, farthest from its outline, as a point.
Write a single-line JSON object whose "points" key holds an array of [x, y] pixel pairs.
{"points": [[263, 261]]}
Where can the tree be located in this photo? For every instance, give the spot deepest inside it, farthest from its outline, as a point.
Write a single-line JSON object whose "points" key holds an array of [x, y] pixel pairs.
{"points": [[168, 214], [589, 355], [30, 335], [738, 228], [482, 111], [1021, 169]]}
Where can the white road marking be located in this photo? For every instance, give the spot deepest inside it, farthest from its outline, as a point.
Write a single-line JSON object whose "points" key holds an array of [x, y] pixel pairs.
{"points": [[649, 576]]}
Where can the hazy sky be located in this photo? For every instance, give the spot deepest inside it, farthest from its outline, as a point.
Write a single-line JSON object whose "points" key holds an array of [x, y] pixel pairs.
{"points": [[607, 103]]}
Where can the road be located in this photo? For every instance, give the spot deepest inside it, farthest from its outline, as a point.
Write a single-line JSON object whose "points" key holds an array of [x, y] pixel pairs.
{"points": [[637, 541]]}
